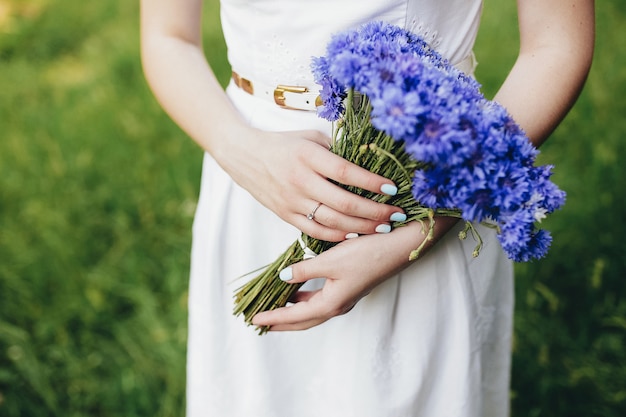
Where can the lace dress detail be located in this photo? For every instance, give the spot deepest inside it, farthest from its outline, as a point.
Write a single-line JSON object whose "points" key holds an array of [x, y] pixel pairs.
{"points": [[430, 35], [280, 62]]}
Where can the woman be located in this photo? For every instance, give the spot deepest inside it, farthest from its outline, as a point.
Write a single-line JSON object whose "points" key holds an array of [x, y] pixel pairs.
{"points": [[429, 338]]}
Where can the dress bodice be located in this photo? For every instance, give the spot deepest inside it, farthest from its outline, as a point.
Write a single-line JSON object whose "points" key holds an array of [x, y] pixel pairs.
{"points": [[274, 40]]}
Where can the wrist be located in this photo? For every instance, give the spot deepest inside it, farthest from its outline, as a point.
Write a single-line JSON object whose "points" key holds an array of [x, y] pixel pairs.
{"points": [[415, 235], [239, 153]]}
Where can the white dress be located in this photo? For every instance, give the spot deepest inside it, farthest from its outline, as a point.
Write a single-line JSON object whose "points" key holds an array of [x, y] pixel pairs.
{"points": [[433, 341]]}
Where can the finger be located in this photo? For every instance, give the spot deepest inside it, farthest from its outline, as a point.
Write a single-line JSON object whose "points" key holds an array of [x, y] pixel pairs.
{"points": [[304, 324], [317, 230], [302, 271], [332, 226], [347, 202], [300, 296], [295, 327], [298, 316], [347, 173], [317, 137], [334, 219]]}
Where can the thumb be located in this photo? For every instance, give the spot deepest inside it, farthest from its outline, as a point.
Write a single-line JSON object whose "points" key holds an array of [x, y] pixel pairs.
{"points": [[302, 271]]}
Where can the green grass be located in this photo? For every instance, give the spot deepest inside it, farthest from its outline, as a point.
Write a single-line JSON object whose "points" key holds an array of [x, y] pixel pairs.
{"points": [[97, 193]]}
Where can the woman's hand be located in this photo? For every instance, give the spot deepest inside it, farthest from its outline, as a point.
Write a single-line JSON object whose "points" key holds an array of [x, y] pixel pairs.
{"points": [[289, 173], [352, 269]]}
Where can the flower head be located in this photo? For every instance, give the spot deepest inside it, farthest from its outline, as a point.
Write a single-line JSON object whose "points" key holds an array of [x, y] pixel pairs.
{"points": [[332, 93]]}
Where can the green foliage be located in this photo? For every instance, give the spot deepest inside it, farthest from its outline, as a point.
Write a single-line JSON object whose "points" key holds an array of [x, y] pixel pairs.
{"points": [[96, 203], [97, 194]]}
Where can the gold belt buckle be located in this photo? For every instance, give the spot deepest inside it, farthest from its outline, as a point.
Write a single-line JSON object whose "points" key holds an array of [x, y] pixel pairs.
{"points": [[243, 83], [279, 93]]}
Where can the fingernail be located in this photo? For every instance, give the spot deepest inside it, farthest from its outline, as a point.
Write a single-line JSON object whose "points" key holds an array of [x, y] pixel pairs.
{"points": [[389, 189], [286, 274], [352, 235], [383, 228], [397, 217]]}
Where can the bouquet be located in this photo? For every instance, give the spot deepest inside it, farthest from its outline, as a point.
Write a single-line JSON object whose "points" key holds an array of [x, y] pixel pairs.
{"points": [[402, 111]]}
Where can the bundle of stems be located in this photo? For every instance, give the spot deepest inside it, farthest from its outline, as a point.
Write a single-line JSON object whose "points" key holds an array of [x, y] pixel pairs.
{"points": [[356, 140]]}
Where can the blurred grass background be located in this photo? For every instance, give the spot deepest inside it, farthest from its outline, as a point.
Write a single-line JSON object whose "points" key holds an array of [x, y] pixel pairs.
{"points": [[98, 188]]}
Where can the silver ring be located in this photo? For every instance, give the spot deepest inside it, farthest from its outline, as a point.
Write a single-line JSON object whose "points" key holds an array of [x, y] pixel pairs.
{"points": [[311, 215]]}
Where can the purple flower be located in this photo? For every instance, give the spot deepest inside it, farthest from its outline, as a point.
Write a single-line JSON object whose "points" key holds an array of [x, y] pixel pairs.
{"points": [[538, 246], [332, 102], [547, 194], [332, 93], [394, 111], [526, 244]]}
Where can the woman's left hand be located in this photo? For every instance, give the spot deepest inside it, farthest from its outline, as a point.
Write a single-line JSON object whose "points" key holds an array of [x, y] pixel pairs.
{"points": [[352, 269]]}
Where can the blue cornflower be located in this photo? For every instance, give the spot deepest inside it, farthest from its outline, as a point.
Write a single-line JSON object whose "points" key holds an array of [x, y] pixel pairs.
{"points": [[332, 93], [431, 188], [333, 97], [532, 244], [394, 111], [515, 232], [346, 68], [538, 245], [551, 197]]}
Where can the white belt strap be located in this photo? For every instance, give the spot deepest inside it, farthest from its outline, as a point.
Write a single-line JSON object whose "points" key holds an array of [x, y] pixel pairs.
{"points": [[286, 96], [302, 98]]}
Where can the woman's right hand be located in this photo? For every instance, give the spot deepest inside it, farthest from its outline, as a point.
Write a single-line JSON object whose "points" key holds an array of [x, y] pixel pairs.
{"points": [[289, 173]]}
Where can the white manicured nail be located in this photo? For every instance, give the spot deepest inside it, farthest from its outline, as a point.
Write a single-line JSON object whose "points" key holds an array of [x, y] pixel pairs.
{"points": [[389, 189], [397, 217], [352, 235], [383, 228], [286, 274]]}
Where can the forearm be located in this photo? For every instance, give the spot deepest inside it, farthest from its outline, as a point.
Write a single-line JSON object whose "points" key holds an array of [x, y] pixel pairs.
{"points": [[181, 78], [556, 48]]}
